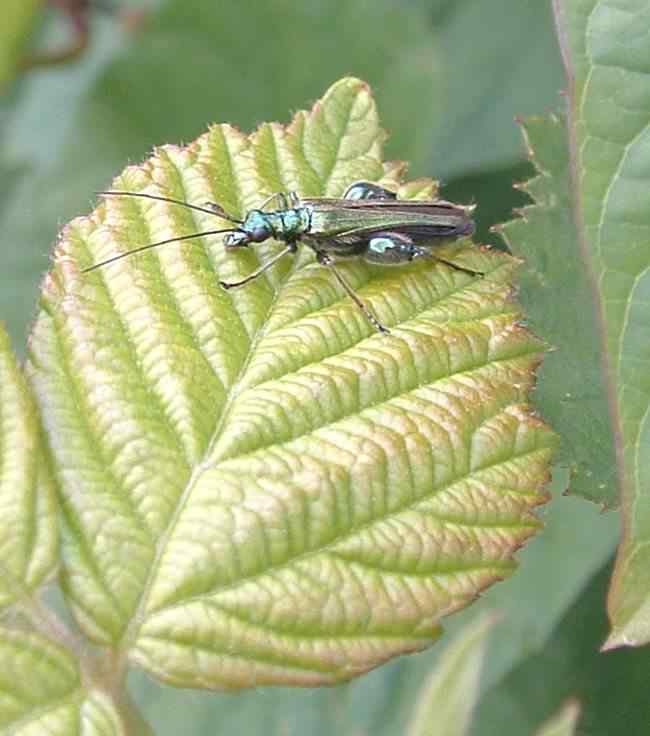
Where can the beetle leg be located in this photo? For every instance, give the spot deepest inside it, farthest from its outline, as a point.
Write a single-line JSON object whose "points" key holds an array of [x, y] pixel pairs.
{"points": [[291, 248], [326, 260], [468, 271], [280, 196], [393, 248]]}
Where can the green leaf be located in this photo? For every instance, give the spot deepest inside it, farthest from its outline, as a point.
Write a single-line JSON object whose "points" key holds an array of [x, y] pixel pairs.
{"points": [[258, 488], [36, 674], [569, 664], [447, 701], [18, 17], [28, 529], [609, 136], [487, 83], [382, 702], [563, 723], [572, 390], [38, 680], [41, 691]]}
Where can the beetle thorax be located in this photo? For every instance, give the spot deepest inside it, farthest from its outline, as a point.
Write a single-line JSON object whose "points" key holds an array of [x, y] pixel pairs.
{"points": [[290, 224]]}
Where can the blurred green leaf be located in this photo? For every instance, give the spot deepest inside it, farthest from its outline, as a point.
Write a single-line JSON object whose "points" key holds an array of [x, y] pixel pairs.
{"points": [[30, 206], [576, 542], [446, 704], [18, 19], [216, 436], [500, 61], [611, 687], [607, 59], [563, 723]]}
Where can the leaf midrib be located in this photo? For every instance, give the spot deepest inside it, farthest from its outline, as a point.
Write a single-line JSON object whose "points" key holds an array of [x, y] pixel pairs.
{"points": [[236, 391], [130, 634]]}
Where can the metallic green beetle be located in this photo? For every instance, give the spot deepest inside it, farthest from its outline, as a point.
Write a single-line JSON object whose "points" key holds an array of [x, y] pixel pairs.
{"points": [[368, 222]]}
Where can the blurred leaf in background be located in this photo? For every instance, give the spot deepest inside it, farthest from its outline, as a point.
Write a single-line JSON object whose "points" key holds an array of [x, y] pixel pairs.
{"points": [[611, 687], [19, 17], [501, 61]]}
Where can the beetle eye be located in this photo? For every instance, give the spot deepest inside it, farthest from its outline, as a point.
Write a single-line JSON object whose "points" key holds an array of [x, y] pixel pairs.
{"points": [[260, 233]]}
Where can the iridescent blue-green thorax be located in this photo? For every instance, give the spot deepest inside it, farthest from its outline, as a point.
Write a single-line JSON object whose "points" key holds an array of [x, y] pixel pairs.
{"points": [[287, 225]]}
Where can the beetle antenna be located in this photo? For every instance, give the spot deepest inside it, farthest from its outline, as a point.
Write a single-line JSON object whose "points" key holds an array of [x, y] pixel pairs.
{"points": [[213, 209], [142, 248]]}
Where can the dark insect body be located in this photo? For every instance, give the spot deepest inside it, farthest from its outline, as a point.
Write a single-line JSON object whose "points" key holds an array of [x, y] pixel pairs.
{"points": [[368, 222]]}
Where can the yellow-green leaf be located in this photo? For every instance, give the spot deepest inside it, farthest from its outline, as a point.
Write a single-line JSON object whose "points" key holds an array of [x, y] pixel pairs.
{"points": [[18, 18], [258, 488], [28, 523], [42, 692]]}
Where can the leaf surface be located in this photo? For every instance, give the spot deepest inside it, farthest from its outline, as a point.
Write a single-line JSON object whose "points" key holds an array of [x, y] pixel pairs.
{"points": [[559, 297], [258, 488], [41, 691], [28, 528], [609, 140]]}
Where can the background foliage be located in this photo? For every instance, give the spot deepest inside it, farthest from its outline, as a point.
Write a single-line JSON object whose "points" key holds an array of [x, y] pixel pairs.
{"points": [[449, 78]]}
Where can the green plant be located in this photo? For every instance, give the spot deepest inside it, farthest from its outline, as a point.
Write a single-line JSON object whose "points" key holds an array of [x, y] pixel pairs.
{"points": [[254, 486], [163, 399]]}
